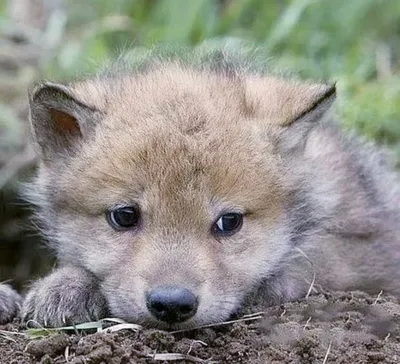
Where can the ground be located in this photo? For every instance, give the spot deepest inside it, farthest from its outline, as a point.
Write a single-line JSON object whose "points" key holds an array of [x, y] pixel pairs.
{"points": [[350, 327]]}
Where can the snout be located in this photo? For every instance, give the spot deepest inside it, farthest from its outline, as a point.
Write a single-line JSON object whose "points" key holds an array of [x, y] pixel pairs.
{"points": [[171, 304]]}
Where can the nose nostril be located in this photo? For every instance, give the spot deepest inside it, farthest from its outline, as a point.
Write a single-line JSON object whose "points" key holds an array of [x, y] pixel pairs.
{"points": [[185, 309], [158, 306], [172, 304]]}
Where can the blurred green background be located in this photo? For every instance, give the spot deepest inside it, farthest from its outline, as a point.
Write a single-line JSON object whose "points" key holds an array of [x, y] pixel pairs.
{"points": [[356, 43]]}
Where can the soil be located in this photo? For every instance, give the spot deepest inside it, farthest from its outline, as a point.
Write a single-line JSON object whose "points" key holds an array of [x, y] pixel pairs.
{"points": [[350, 327]]}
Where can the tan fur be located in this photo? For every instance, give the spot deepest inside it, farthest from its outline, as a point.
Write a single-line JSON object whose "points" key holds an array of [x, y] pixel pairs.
{"points": [[186, 145]]}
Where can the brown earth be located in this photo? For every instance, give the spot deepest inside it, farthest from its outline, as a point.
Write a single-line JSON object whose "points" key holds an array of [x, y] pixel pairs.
{"points": [[330, 328]]}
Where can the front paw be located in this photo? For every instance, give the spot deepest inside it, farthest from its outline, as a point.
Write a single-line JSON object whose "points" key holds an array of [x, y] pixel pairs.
{"points": [[67, 296], [10, 303]]}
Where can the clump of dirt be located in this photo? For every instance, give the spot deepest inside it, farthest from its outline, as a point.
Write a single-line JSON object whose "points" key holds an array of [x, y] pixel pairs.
{"points": [[330, 328]]}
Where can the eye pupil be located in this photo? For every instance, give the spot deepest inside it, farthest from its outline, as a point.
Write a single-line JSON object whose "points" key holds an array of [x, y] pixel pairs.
{"points": [[124, 217], [228, 224]]}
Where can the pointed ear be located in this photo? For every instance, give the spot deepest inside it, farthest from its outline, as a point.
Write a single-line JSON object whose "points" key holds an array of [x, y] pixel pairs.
{"points": [[288, 109], [294, 134], [316, 104], [59, 121], [283, 102]]}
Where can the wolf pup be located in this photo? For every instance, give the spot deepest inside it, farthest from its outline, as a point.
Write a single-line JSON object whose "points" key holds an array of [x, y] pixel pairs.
{"points": [[176, 192]]}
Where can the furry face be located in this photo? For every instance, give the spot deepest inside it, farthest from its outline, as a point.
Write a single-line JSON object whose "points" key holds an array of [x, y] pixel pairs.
{"points": [[178, 189], [181, 185]]}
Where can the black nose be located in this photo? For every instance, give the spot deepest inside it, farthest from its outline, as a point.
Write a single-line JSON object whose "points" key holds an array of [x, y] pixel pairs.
{"points": [[171, 303]]}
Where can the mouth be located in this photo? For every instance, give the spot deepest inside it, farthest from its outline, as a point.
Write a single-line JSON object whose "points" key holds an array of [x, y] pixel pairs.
{"points": [[190, 324], [176, 323], [153, 323]]}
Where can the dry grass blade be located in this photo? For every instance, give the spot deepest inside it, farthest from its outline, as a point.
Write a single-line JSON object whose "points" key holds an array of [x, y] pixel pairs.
{"points": [[7, 337], [195, 342], [119, 327], [175, 357], [250, 315], [5, 332], [245, 319], [112, 319], [66, 353], [311, 286], [327, 353], [314, 274], [308, 321], [378, 297]]}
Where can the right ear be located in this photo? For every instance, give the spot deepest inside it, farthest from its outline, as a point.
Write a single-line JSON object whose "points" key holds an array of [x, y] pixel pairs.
{"points": [[59, 121]]}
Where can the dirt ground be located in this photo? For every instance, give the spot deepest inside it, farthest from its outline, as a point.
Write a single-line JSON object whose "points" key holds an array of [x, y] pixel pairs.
{"points": [[331, 328]]}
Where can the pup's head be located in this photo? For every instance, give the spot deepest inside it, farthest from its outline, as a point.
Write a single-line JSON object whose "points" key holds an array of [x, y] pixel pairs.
{"points": [[171, 185]]}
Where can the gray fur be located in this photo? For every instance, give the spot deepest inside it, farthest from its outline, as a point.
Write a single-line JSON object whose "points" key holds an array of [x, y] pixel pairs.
{"points": [[10, 303], [65, 297]]}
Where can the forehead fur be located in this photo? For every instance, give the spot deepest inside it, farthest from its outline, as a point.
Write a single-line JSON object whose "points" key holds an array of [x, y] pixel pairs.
{"points": [[173, 86], [176, 133], [179, 134]]}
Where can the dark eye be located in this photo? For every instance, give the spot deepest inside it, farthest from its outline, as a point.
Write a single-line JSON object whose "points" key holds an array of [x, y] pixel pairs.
{"points": [[228, 224], [124, 217]]}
